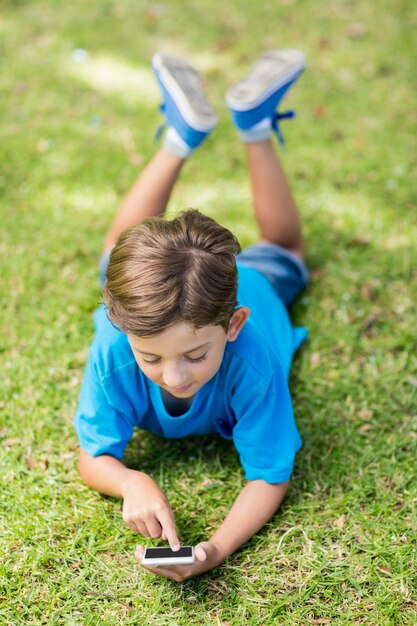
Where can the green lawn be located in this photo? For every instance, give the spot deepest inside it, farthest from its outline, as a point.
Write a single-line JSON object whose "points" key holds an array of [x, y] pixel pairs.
{"points": [[75, 129]]}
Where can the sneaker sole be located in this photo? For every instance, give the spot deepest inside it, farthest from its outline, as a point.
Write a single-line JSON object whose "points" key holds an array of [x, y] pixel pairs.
{"points": [[296, 62], [161, 65]]}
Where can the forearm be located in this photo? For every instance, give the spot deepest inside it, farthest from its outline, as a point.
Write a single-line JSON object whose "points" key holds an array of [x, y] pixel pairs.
{"points": [[105, 474], [254, 506]]}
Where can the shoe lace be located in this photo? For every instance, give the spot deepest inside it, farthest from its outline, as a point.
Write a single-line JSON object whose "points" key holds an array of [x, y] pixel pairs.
{"points": [[162, 126], [275, 123]]}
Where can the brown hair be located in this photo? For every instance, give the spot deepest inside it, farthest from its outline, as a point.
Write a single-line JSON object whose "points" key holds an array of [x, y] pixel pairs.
{"points": [[164, 272]]}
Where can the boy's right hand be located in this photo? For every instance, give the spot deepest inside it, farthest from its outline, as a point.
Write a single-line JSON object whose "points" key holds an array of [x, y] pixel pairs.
{"points": [[146, 509]]}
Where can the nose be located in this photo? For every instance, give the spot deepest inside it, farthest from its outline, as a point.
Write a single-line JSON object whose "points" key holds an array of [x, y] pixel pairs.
{"points": [[174, 376]]}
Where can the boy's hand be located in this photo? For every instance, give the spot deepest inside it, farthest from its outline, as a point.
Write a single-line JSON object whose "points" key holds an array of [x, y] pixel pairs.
{"points": [[207, 556], [146, 509]]}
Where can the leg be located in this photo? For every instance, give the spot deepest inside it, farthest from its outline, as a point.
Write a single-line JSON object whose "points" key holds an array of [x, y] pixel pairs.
{"points": [[148, 196], [253, 104], [275, 209], [190, 118]]}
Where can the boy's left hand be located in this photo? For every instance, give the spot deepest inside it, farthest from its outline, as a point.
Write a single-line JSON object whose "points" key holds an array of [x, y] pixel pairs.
{"points": [[206, 557]]}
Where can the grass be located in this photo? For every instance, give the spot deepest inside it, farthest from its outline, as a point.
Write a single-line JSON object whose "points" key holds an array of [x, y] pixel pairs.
{"points": [[342, 549]]}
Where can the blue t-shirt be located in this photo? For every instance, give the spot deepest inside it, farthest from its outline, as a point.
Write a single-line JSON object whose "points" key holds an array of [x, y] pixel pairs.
{"points": [[248, 399]]}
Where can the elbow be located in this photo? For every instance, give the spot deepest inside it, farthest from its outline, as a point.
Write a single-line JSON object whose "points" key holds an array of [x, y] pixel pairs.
{"points": [[284, 487], [83, 463], [275, 491]]}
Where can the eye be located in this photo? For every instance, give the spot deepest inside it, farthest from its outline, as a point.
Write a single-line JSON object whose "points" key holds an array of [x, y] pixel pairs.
{"points": [[200, 358], [151, 362]]}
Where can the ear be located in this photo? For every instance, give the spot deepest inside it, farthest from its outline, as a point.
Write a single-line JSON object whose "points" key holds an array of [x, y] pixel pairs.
{"points": [[237, 322]]}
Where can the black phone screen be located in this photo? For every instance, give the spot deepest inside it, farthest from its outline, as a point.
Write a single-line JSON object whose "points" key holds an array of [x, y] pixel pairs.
{"points": [[167, 553]]}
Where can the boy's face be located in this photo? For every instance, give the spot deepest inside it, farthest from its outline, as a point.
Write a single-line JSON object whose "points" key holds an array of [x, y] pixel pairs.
{"points": [[182, 359]]}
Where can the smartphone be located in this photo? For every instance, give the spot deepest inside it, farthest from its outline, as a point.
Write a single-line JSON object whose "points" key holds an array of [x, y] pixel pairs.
{"points": [[166, 556]]}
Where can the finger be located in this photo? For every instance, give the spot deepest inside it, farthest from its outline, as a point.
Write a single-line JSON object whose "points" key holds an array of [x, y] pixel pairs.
{"points": [[163, 571], [164, 535], [166, 519], [200, 553], [139, 552], [131, 524], [153, 569], [138, 527], [135, 524], [142, 528], [154, 527], [203, 550]]}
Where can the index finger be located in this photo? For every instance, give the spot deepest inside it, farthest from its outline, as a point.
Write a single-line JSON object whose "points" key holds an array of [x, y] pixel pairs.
{"points": [[166, 519]]}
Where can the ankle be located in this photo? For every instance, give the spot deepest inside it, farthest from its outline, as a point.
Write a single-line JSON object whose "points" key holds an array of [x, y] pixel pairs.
{"points": [[174, 144], [259, 132]]}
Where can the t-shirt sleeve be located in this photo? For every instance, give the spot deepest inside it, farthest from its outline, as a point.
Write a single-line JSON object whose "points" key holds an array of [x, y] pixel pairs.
{"points": [[101, 428], [265, 434]]}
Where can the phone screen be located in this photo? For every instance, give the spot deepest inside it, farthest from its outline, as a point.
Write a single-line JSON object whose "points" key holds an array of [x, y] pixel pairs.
{"points": [[167, 553]]}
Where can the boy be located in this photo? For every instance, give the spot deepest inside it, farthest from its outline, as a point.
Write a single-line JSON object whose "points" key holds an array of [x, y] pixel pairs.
{"points": [[199, 339]]}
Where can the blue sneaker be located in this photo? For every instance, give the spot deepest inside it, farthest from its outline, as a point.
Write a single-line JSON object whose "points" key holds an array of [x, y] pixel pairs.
{"points": [[257, 97], [185, 106]]}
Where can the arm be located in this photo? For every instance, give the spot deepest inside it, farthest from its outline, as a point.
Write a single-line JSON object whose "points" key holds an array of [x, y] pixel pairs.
{"points": [[145, 507], [253, 507], [105, 474], [258, 434]]}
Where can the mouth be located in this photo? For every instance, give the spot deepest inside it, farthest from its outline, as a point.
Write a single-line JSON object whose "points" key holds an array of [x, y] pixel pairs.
{"points": [[180, 389]]}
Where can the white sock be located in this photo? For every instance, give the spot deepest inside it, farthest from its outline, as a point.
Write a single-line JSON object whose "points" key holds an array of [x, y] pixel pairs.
{"points": [[259, 132], [175, 144]]}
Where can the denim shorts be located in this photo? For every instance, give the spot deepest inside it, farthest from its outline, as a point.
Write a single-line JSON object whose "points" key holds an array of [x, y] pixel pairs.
{"points": [[286, 272]]}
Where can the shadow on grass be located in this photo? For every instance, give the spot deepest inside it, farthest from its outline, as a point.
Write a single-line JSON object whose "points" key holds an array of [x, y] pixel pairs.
{"points": [[147, 452]]}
